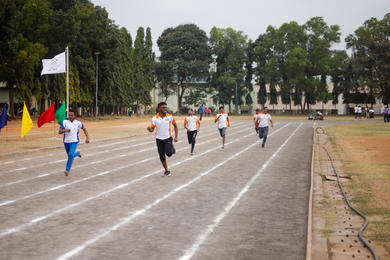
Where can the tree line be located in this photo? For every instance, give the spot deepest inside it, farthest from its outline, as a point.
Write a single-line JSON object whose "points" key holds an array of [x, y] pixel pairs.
{"points": [[37, 29], [295, 62]]}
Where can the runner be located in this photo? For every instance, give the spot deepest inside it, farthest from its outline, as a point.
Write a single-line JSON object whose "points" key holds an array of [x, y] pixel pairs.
{"points": [[255, 118], [192, 124], [223, 123], [70, 128], [263, 122], [163, 122]]}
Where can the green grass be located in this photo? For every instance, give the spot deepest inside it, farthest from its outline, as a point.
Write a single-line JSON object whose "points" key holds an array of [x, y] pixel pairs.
{"points": [[367, 176]]}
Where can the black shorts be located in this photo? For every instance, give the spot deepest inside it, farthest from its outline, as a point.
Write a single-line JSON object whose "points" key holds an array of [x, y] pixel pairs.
{"points": [[165, 147], [191, 136], [222, 131]]}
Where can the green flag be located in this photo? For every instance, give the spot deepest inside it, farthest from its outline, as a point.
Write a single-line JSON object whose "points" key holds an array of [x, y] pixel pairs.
{"points": [[61, 113]]}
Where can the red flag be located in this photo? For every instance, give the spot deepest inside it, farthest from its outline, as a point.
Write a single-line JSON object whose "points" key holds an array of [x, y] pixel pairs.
{"points": [[47, 116]]}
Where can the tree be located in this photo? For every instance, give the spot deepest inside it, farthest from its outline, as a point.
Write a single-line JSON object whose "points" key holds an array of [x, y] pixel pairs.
{"points": [[370, 44], [185, 55], [22, 25], [249, 72], [229, 55]]}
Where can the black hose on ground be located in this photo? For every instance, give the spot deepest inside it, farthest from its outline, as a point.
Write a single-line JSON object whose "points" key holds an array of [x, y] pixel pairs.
{"points": [[372, 251]]}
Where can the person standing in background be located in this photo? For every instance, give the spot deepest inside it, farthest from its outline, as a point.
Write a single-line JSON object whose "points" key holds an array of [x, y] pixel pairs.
{"points": [[201, 111]]}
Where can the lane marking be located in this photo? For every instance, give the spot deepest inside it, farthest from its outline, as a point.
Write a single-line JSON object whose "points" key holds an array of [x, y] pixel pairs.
{"points": [[210, 132], [210, 228], [4, 203], [121, 186], [151, 205], [99, 161]]}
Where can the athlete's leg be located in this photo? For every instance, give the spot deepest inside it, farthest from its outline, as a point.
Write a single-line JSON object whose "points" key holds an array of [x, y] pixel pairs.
{"points": [[161, 152], [261, 132], [265, 134], [193, 138], [71, 155], [189, 137], [169, 149]]}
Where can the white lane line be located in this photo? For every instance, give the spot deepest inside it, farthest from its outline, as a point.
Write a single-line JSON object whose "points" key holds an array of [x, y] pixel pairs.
{"points": [[129, 141], [142, 211], [58, 211], [8, 162], [99, 161], [4, 203], [100, 152], [210, 228]]}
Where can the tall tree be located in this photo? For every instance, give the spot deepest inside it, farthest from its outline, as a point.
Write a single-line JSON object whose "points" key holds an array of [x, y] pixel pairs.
{"points": [[22, 25], [185, 55], [370, 45], [229, 54]]}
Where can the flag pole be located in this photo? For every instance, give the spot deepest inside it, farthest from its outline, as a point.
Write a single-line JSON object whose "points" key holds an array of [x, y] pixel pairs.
{"points": [[67, 81]]}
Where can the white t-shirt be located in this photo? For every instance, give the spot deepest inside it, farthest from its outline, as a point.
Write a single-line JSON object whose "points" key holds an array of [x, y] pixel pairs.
{"points": [[222, 120], [359, 109], [73, 135], [264, 119], [191, 122], [163, 126]]}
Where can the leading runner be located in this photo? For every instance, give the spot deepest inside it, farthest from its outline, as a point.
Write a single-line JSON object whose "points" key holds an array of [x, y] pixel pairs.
{"points": [[163, 122]]}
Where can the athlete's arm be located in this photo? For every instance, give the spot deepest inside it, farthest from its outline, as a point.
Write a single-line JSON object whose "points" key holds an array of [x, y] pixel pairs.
{"points": [[86, 135], [227, 118], [176, 132], [61, 131], [198, 126]]}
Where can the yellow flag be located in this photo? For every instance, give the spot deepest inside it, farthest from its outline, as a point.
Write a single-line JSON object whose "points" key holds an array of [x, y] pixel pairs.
{"points": [[27, 123]]}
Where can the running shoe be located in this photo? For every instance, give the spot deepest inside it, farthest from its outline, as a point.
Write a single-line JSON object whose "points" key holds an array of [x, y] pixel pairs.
{"points": [[167, 173]]}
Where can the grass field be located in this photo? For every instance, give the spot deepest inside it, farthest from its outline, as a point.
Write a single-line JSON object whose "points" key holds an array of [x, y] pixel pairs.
{"points": [[364, 150]]}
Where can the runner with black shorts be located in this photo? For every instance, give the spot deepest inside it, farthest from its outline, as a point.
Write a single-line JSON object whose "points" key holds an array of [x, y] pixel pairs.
{"points": [[223, 123], [192, 124], [163, 122]]}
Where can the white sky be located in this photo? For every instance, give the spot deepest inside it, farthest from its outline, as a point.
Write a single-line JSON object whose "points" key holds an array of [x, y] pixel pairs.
{"points": [[250, 16]]}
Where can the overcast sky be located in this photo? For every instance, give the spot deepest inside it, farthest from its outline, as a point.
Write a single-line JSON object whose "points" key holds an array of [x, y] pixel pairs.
{"points": [[250, 16]]}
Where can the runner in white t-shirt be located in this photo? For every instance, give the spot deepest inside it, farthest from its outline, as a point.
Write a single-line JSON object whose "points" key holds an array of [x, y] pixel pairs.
{"points": [[192, 124], [70, 128], [263, 122], [223, 123], [163, 123]]}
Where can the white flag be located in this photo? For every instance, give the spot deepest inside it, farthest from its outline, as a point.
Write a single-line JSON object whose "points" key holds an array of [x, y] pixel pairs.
{"points": [[55, 65]]}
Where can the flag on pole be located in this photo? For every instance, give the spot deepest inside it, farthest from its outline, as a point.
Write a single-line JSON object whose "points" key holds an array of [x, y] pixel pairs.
{"points": [[27, 123], [61, 113], [3, 117], [46, 116], [54, 65]]}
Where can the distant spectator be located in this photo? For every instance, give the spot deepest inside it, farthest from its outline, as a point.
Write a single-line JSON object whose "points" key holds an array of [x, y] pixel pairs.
{"points": [[356, 111], [371, 112], [386, 114], [359, 111], [201, 111], [366, 111]]}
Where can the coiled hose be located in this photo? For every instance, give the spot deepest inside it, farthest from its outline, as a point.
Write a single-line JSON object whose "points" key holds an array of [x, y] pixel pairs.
{"points": [[320, 130]]}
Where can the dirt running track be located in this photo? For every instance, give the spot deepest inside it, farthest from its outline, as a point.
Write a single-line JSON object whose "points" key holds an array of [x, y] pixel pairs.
{"points": [[243, 202]]}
